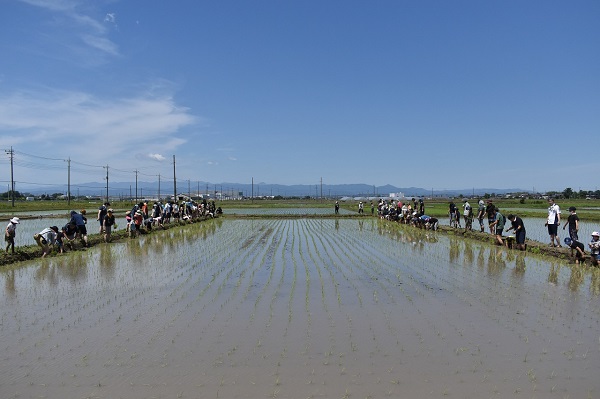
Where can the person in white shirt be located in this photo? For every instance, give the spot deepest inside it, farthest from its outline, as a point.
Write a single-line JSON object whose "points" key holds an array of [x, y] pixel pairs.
{"points": [[46, 239], [10, 232], [553, 222]]}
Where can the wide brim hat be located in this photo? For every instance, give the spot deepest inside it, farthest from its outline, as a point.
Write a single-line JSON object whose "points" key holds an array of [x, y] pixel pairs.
{"points": [[15, 220], [595, 234]]}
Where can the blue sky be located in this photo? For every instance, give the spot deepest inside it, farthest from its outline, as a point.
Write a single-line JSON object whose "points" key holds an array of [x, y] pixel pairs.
{"points": [[431, 94]]}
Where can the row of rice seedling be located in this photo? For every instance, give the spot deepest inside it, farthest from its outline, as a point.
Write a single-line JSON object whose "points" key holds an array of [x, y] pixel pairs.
{"points": [[299, 307]]}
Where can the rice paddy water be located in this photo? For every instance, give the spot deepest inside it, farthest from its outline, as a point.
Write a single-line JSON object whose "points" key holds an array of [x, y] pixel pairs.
{"points": [[299, 308]]}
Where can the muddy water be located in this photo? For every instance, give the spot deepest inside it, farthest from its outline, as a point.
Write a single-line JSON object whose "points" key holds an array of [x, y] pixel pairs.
{"points": [[296, 309]]}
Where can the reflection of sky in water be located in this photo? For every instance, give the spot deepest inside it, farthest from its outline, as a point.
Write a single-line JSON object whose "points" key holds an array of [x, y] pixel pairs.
{"points": [[289, 211]]}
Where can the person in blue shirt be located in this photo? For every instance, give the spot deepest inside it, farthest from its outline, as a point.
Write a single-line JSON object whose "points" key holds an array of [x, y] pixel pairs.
{"points": [[79, 220]]}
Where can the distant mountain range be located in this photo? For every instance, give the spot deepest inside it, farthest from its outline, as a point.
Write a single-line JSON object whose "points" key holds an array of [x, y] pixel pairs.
{"points": [[152, 189]]}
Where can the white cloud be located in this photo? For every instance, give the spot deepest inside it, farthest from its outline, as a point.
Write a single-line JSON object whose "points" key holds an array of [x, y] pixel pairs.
{"points": [[54, 5], [110, 18], [101, 44], [90, 31], [92, 129], [156, 157]]}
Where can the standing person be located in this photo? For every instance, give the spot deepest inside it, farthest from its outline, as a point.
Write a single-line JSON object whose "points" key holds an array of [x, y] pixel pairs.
{"points": [[372, 209], [498, 225], [573, 222], [360, 207], [489, 211], [468, 215], [595, 248], [452, 214], [101, 213], [337, 207], [481, 214], [46, 239], [519, 228], [553, 222], [79, 220], [109, 222], [10, 232], [421, 206]]}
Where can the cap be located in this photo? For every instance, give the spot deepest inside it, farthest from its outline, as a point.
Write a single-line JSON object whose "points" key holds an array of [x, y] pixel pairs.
{"points": [[595, 234], [568, 241], [55, 228], [110, 210], [15, 220], [572, 208]]}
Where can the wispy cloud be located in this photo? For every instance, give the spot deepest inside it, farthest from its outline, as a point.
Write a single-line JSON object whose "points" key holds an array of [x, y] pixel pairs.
{"points": [[81, 125], [157, 157], [85, 29]]}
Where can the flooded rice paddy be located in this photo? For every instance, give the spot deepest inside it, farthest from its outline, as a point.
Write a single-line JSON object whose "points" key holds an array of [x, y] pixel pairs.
{"points": [[299, 308]]}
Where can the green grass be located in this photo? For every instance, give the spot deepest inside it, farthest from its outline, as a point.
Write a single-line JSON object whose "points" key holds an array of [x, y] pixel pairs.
{"points": [[588, 210]]}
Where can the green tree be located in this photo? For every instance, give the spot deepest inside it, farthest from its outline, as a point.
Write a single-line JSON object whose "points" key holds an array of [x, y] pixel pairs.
{"points": [[568, 192]]}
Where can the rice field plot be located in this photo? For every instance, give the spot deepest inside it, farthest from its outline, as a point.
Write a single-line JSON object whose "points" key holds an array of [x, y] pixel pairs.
{"points": [[299, 308], [300, 210]]}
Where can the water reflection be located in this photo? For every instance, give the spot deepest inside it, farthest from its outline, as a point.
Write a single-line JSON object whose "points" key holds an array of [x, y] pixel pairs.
{"points": [[46, 272], [468, 252], [496, 263], [595, 282], [576, 278], [75, 266], [107, 261], [553, 273], [520, 264], [9, 283]]}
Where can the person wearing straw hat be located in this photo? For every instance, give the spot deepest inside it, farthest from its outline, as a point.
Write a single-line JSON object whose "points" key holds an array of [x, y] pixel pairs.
{"points": [[10, 232], [595, 248]]}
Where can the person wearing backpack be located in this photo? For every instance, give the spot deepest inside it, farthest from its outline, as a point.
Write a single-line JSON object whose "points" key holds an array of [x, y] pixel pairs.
{"points": [[498, 225]]}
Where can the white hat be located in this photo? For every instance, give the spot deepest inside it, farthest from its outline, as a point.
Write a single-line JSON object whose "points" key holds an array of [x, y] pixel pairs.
{"points": [[15, 220], [595, 233]]}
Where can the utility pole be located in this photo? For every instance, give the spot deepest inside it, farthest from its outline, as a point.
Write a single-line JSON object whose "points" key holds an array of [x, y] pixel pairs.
{"points": [[189, 189], [159, 187], [69, 181], [106, 183], [174, 181], [136, 191], [252, 190], [12, 180], [321, 188]]}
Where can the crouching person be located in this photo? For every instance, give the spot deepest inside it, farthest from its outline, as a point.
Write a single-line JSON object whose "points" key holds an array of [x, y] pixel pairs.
{"points": [[578, 248], [46, 238], [519, 227], [595, 248]]}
